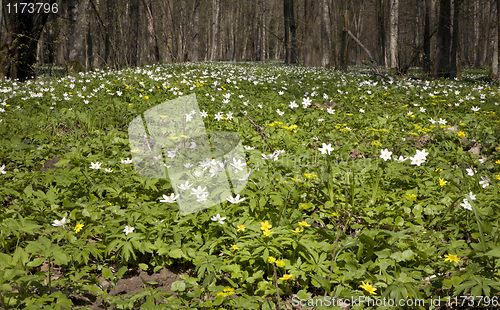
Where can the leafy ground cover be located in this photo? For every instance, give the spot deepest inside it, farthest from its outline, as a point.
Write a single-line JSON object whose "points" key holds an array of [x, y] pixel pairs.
{"points": [[359, 187]]}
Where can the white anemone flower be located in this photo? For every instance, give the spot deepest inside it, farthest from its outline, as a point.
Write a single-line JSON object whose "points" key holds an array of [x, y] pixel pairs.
{"points": [[96, 165], [169, 199], [235, 200], [218, 218], [386, 154], [128, 230], [58, 223]]}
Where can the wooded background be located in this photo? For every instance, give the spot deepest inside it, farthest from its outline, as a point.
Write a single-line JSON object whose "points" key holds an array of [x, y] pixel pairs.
{"points": [[438, 35]]}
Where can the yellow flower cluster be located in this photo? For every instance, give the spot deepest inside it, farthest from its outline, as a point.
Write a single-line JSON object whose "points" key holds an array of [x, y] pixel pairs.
{"points": [[227, 291], [286, 276], [265, 227], [310, 175], [279, 262], [275, 123]]}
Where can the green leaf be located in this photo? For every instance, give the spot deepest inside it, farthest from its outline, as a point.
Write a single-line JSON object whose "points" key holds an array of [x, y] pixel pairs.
{"points": [[106, 273], [178, 286], [144, 267], [177, 253]]}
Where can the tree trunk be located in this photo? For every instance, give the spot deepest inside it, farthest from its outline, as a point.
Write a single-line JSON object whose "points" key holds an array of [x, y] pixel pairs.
{"points": [[382, 34], [154, 54], [134, 32], [393, 42], [444, 39], [258, 31], [497, 57], [325, 35], [195, 53], [454, 44], [293, 33], [312, 49], [215, 26], [427, 36], [286, 15], [344, 45], [18, 54]]}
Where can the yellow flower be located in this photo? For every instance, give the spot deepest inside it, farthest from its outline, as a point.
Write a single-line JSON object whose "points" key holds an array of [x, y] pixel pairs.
{"points": [[451, 258], [367, 287], [241, 227], [286, 276], [310, 176], [497, 176], [442, 182], [438, 169], [303, 224], [271, 259], [134, 151], [461, 134], [297, 230], [497, 162], [376, 143], [146, 97], [268, 232], [265, 225], [78, 227], [234, 247], [280, 263], [227, 291]]}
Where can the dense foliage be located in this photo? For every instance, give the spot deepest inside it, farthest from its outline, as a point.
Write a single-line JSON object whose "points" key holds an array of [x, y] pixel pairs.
{"points": [[359, 186]]}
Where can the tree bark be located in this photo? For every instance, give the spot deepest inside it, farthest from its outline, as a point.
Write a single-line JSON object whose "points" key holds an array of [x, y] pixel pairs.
{"points": [[215, 26], [18, 53], [344, 45], [393, 42], [134, 32], [153, 39], [195, 53], [326, 34], [427, 36], [286, 14], [444, 39], [496, 56], [312, 50], [258, 31], [454, 44], [293, 33]]}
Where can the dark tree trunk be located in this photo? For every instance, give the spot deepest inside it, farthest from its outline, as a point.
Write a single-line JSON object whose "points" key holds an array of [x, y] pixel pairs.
{"points": [[454, 44], [427, 36], [293, 32], [286, 11], [134, 32], [18, 54], [343, 45], [258, 31], [381, 32], [196, 32], [312, 50], [444, 39]]}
